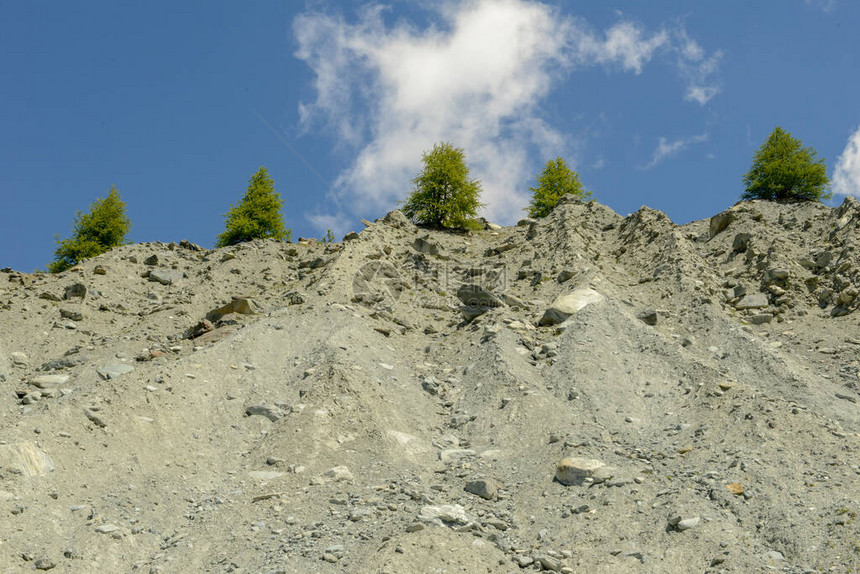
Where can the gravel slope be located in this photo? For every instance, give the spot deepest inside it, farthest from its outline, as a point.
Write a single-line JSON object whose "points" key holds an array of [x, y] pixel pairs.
{"points": [[276, 407]]}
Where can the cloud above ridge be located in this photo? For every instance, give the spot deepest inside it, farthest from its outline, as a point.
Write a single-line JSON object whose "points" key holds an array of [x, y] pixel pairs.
{"points": [[476, 79], [846, 174], [666, 149]]}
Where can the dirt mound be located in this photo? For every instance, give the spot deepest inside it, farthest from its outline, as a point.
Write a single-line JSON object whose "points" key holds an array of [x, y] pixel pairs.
{"points": [[399, 403]]}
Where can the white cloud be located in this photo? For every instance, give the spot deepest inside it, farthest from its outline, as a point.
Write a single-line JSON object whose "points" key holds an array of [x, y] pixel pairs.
{"points": [[846, 175], [823, 5], [666, 149], [697, 68], [475, 79], [625, 44]]}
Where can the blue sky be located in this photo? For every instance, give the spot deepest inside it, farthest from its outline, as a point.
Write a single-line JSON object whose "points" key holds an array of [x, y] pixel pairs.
{"points": [[654, 103]]}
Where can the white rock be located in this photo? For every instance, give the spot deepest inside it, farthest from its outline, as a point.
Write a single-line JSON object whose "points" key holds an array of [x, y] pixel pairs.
{"points": [[49, 381], [567, 305], [445, 515], [574, 471]]}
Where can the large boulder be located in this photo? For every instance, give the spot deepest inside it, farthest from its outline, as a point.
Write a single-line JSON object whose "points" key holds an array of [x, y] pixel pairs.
{"points": [[753, 301], [396, 219], [25, 459], [720, 221], [567, 305], [476, 300], [165, 276]]}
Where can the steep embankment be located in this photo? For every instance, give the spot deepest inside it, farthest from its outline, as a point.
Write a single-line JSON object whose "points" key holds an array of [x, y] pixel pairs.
{"points": [[273, 407]]}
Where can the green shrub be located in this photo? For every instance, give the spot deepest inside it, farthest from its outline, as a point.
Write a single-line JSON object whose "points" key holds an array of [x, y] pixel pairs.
{"points": [[257, 215], [555, 180], [96, 232], [784, 170], [444, 195]]}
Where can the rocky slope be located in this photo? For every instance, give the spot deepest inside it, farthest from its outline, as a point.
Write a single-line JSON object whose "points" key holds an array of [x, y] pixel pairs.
{"points": [[589, 392]]}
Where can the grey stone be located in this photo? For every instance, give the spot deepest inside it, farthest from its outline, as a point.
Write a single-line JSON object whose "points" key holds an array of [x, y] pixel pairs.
{"points": [[840, 311], [565, 275], [44, 564], [525, 221], [114, 370], [351, 236], [397, 219], [719, 222], [424, 245], [532, 231], [566, 305], [151, 260], [486, 488], [165, 276], [107, 528], [649, 317], [47, 296], [761, 318], [65, 362], [358, 514], [78, 290], [754, 301], [271, 412], [477, 300], [776, 274], [72, 314], [741, 242], [94, 418]]}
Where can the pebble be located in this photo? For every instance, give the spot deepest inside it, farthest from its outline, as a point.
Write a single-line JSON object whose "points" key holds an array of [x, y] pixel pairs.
{"points": [[45, 564], [681, 524]]}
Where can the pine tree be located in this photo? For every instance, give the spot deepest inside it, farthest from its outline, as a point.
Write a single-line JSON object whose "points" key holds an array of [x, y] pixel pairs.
{"points": [[444, 195], [257, 215], [555, 180], [784, 170], [96, 232]]}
